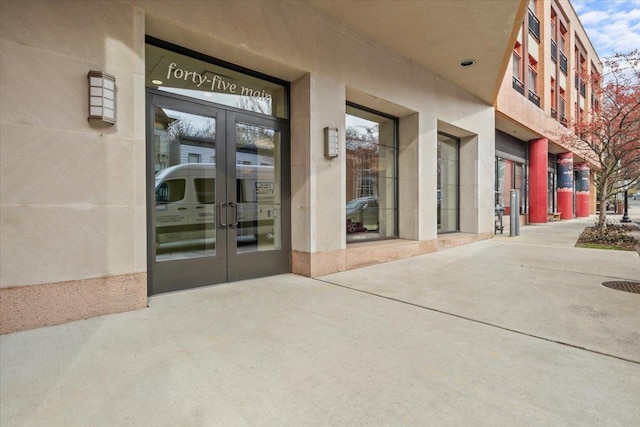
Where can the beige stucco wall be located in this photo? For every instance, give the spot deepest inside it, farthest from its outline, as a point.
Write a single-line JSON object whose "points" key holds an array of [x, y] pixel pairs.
{"points": [[73, 192]]}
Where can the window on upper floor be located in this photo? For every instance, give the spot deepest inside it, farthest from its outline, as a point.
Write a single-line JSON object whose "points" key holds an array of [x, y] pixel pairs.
{"points": [[562, 46], [518, 79], [533, 74], [533, 21], [563, 63], [595, 81], [554, 100], [532, 81], [554, 29], [562, 107], [517, 61]]}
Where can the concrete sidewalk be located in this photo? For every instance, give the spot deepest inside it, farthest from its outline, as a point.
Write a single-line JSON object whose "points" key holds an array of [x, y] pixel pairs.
{"points": [[509, 331]]}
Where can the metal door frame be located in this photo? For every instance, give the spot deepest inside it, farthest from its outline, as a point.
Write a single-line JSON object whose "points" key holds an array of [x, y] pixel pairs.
{"points": [[237, 266]]}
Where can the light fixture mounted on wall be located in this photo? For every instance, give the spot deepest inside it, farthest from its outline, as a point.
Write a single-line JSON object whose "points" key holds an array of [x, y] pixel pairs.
{"points": [[102, 97], [331, 143]]}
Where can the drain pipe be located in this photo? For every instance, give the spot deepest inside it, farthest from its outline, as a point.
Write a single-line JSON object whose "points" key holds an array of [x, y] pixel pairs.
{"points": [[514, 217]]}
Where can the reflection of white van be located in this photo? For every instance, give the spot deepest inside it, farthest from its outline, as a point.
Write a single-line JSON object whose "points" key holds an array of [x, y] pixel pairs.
{"points": [[186, 203]]}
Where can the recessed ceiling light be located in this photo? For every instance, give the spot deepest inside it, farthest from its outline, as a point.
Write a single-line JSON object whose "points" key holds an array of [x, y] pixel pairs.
{"points": [[157, 82], [467, 62]]}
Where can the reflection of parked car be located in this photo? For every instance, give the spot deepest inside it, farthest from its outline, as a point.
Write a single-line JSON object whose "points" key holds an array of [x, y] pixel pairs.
{"points": [[185, 211], [362, 214], [636, 196]]}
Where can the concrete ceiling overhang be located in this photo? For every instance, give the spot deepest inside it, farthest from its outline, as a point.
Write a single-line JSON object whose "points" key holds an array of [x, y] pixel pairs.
{"points": [[439, 34], [517, 130]]}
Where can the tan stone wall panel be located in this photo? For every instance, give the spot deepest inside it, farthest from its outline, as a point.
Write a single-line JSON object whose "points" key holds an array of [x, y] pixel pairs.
{"points": [[28, 307], [45, 244]]}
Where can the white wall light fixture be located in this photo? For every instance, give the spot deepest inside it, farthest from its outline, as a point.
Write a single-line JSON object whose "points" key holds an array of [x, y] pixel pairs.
{"points": [[102, 96], [331, 143]]}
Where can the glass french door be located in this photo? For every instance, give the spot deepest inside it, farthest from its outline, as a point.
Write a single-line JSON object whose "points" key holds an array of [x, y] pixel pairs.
{"points": [[218, 199]]}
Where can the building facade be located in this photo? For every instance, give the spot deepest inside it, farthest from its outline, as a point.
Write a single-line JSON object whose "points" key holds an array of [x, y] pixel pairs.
{"points": [[231, 140], [543, 92]]}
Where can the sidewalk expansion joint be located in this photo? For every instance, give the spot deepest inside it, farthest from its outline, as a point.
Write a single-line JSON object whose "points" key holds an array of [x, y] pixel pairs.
{"points": [[481, 322], [517, 264]]}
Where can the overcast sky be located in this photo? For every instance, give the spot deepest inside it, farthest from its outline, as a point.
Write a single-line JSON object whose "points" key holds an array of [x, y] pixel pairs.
{"points": [[612, 25]]}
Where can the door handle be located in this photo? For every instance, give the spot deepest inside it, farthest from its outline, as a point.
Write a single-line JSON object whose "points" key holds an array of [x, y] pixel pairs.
{"points": [[222, 209], [235, 207], [182, 209]]}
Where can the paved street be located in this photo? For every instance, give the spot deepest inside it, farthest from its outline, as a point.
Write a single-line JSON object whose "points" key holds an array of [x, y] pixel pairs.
{"points": [[509, 331]]}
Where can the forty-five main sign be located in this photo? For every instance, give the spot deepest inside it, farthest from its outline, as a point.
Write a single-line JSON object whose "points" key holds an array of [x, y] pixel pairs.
{"points": [[215, 83]]}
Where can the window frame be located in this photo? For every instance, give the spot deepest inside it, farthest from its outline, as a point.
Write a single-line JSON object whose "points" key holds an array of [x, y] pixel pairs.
{"points": [[501, 193], [517, 79], [517, 52], [396, 174], [562, 106], [532, 81], [458, 184]]}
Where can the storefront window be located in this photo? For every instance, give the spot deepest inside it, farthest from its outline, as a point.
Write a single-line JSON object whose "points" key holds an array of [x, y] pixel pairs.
{"points": [[510, 175], [551, 191], [448, 183], [372, 177], [172, 72], [520, 184]]}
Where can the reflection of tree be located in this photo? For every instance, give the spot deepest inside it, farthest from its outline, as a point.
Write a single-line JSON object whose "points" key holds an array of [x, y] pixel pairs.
{"points": [[190, 130], [258, 105], [254, 136], [182, 128], [500, 182], [358, 137], [362, 144]]}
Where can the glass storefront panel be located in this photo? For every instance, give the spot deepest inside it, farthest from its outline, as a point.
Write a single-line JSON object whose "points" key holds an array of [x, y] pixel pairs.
{"points": [[448, 195], [510, 175], [171, 72], [551, 191], [185, 194], [520, 185], [371, 203], [258, 188]]}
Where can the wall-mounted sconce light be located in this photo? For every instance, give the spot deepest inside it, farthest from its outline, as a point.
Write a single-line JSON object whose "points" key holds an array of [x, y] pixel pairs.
{"points": [[331, 143], [102, 96]]}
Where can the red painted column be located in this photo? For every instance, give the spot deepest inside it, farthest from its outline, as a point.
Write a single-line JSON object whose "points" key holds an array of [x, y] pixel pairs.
{"points": [[582, 190], [538, 164], [565, 185]]}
